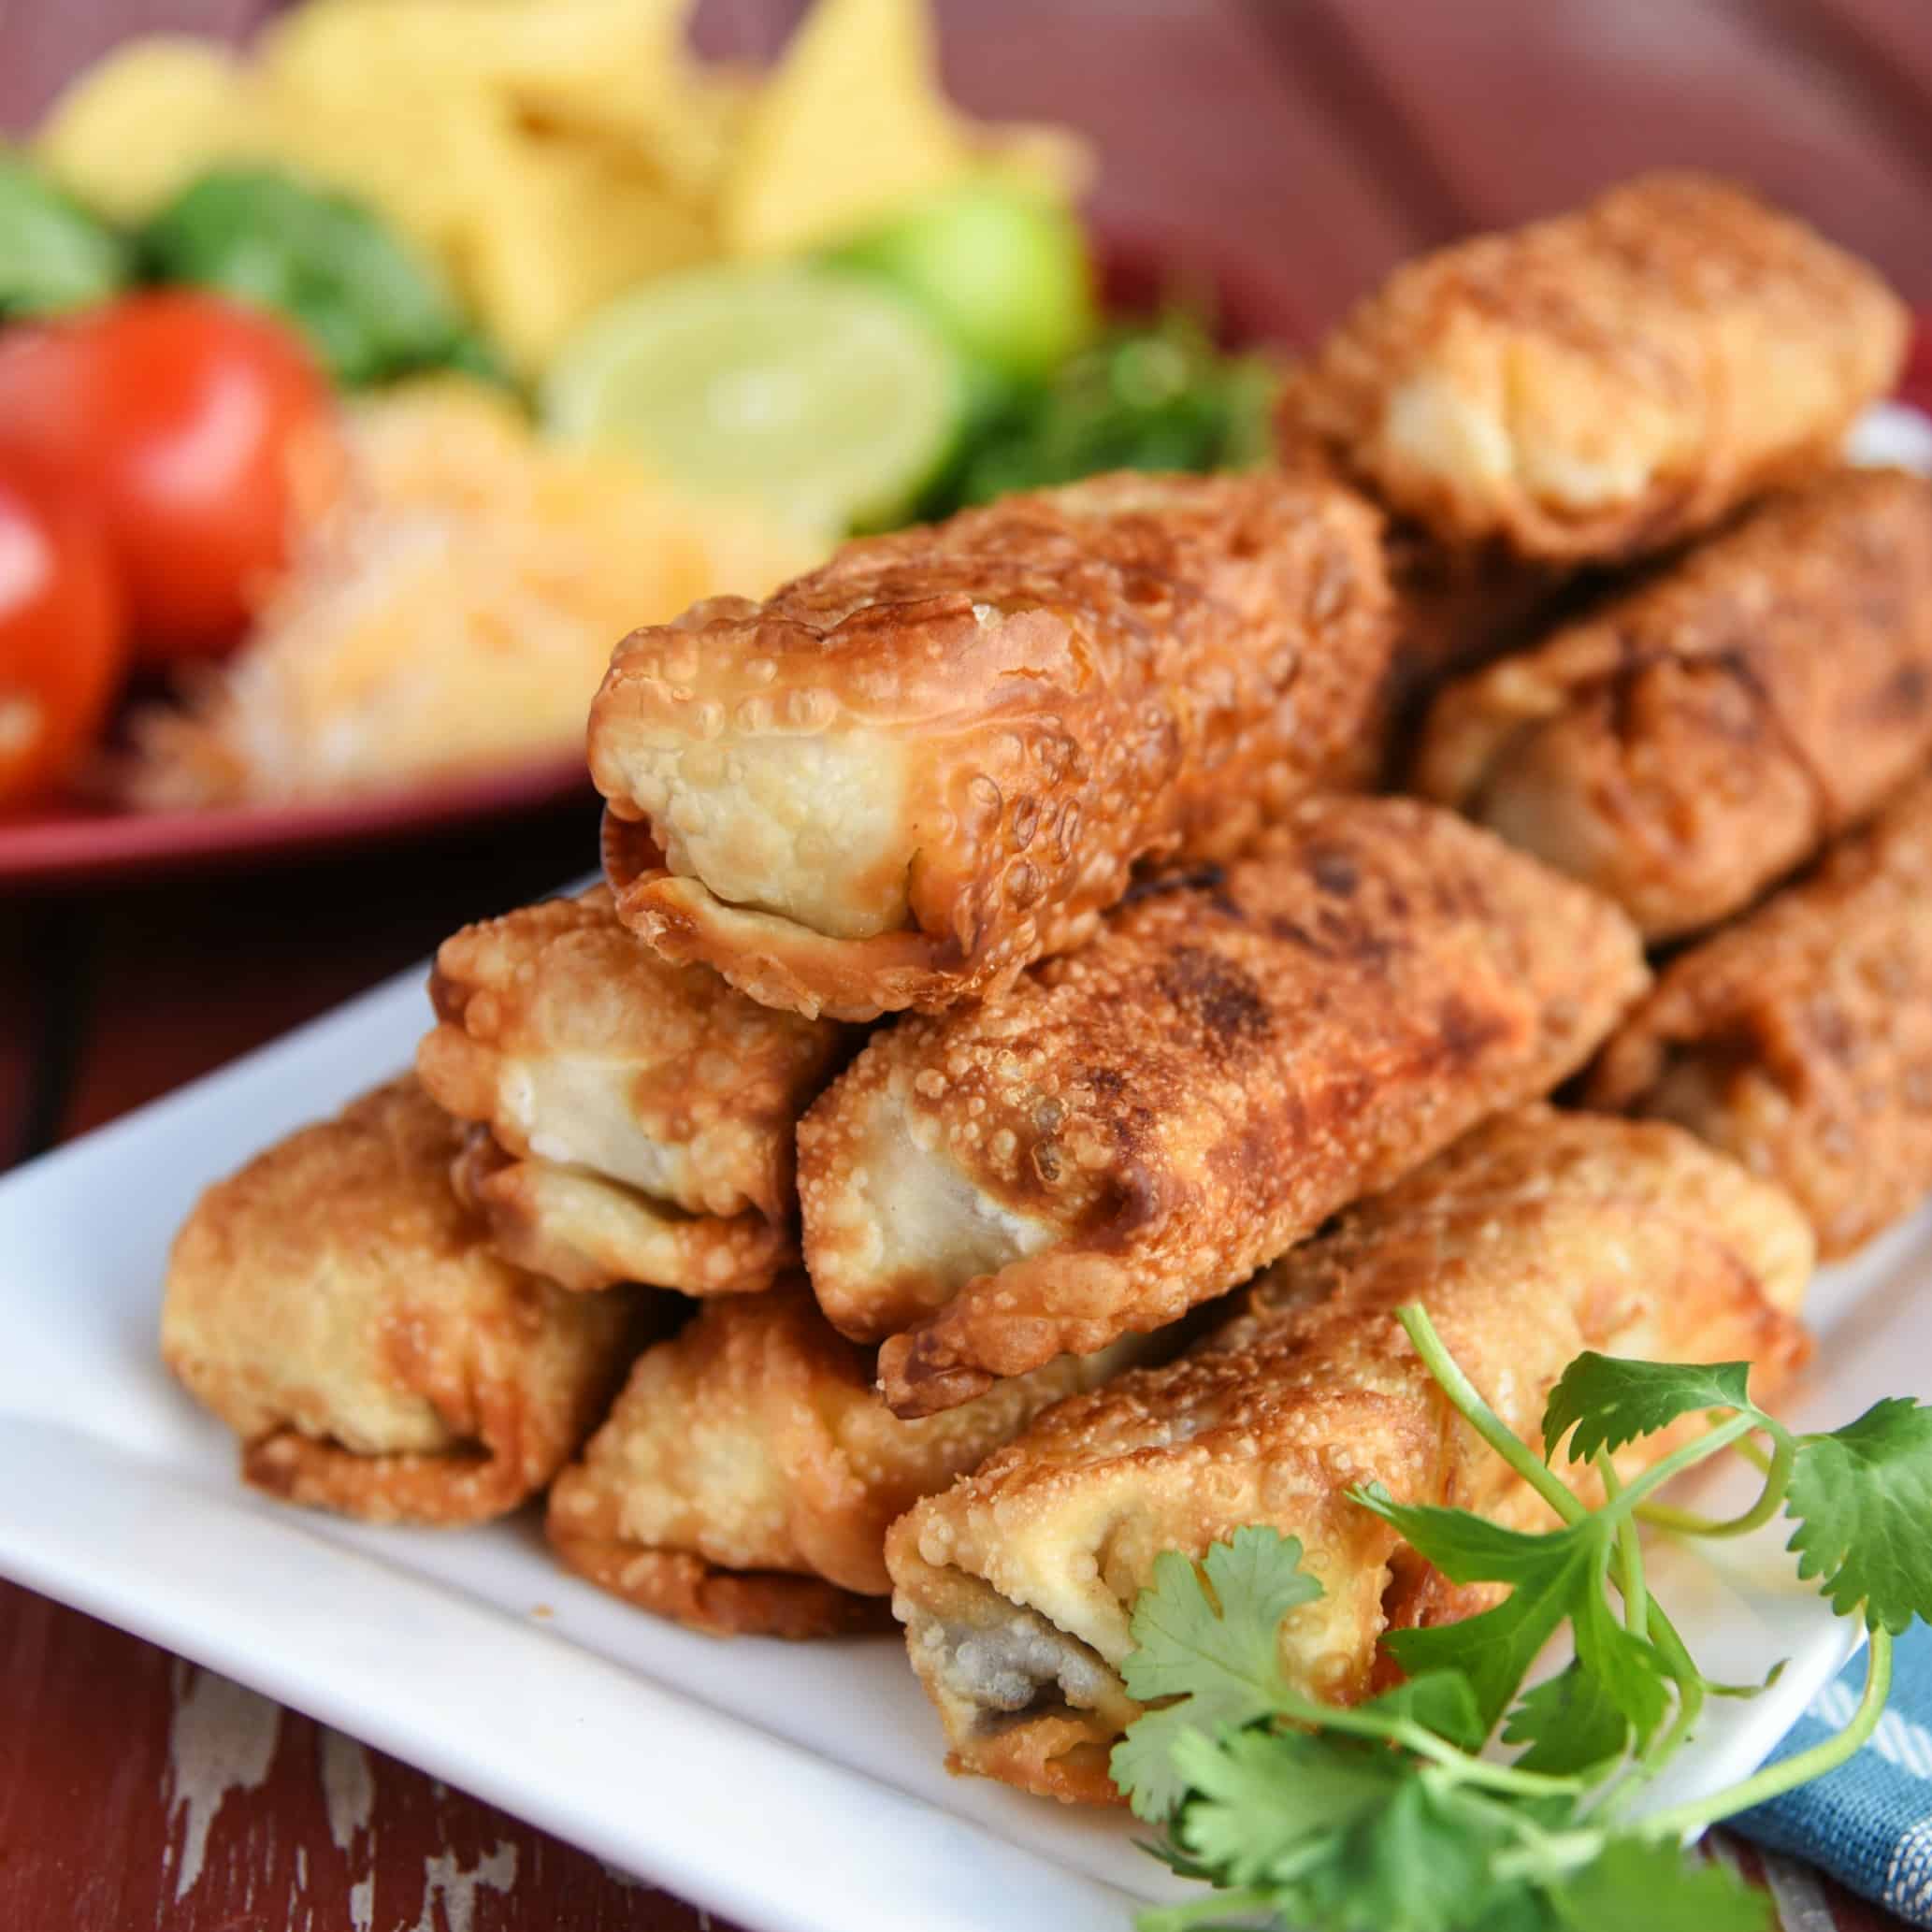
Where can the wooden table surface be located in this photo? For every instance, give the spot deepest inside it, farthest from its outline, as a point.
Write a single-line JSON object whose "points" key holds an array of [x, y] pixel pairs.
{"points": [[1319, 140]]}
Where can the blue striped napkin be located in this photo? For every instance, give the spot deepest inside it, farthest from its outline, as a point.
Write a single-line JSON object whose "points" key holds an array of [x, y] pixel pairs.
{"points": [[1869, 1822]]}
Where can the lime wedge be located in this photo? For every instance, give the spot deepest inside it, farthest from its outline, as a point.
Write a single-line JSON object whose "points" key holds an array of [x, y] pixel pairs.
{"points": [[831, 399]]}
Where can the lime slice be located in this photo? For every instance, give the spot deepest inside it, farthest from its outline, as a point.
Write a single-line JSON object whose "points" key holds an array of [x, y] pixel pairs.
{"points": [[1005, 275], [826, 398]]}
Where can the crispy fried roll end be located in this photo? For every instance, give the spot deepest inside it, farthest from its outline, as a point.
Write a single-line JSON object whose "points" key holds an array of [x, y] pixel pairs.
{"points": [[336, 1307], [1607, 383], [1684, 745], [1537, 1236], [638, 1117], [745, 1479], [936, 759], [1799, 1040], [1137, 1128]]}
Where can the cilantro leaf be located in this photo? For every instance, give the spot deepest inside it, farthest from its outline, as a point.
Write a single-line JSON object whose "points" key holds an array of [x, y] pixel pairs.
{"points": [[1423, 1864], [1642, 1886], [1495, 1651], [1611, 1695], [1569, 1722], [1145, 1764], [1629, 1669], [1423, 1861], [1862, 1497], [1261, 1801], [1466, 1549], [1552, 1575], [1206, 1635], [1342, 1834], [1557, 1575], [1441, 1702], [1609, 1401]]}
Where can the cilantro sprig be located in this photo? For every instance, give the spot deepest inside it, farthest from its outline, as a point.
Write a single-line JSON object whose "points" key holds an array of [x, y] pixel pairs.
{"points": [[1387, 1817]]}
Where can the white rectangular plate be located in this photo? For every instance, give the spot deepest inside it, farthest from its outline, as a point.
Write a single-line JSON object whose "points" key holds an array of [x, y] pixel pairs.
{"points": [[794, 1788]]}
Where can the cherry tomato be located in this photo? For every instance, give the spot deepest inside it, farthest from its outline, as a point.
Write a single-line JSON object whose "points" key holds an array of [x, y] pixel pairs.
{"points": [[177, 418], [62, 645]]}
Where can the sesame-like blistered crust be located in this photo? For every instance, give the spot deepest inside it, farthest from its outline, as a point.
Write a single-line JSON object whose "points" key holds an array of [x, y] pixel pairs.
{"points": [[753, 1444], [1072, 682], [336, 1307], [1686, 745], [1538, 1235], [586, 1234], [1605, 382], [1799, 1040], [714, 1081], [1241, 1052]]}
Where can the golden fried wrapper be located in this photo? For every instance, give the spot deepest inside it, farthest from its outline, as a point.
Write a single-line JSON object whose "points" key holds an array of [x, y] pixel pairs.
{"points": [[909, 774], [1136, 1128], [745, 1479], [1607, 383], [1799, 1040], [1682, 746], [335, 1306], [1538, 1235], [640, 1116]]}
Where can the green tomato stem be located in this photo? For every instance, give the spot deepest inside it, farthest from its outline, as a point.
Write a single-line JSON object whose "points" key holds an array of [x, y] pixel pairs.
{"points": [[1481, 1416], [1775, 1780], [1777, 1480]]}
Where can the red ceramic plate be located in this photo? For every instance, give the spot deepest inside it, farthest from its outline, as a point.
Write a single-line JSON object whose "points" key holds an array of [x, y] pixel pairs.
{"points": [[76, 842]]}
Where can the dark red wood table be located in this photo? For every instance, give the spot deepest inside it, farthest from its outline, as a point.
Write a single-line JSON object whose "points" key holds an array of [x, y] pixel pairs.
{"points": [[1318, 140]]}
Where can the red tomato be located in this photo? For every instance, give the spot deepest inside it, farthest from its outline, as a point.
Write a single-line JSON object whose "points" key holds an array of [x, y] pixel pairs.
{"points": [[62, 645], [176, 417]]}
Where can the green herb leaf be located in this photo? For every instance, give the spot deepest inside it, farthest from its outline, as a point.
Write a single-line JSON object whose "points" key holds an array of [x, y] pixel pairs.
{"points": [[1206, 1635], [370, 307], [1440, 1701], [1570, 1724], [1155, 396], [54, 254], [1607, 1402], [1639, 1885], [1553, 1575], [1629, 1669], [1421, 1863], [1495, 1651], [1862, 1497], [1262, 1802], [1469, 1548]]}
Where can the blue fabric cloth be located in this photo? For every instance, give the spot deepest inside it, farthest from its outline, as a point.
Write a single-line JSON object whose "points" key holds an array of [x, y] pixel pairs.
{"points": [[1869, 1822]]}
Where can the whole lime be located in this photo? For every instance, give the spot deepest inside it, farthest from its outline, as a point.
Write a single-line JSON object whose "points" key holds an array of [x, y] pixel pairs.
{"points": [[1004, 274]]}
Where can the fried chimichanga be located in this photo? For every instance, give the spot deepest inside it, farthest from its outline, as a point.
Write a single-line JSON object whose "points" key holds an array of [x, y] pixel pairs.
{"points": [[1538, 1235], [1684, 745], [1607, 383], [337, 1307], [1799, 1040], [1136, 1129], [746, 1477], [636, 1117], [936, 759]]}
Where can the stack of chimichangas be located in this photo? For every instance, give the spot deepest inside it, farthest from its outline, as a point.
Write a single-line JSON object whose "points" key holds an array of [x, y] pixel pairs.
{"points": [[1040, 1067]]}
